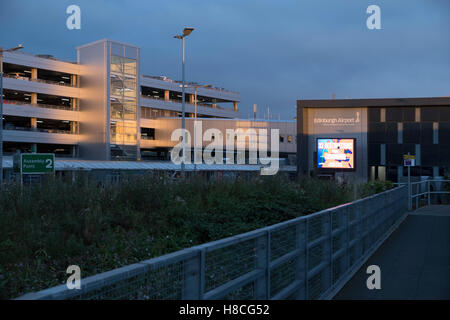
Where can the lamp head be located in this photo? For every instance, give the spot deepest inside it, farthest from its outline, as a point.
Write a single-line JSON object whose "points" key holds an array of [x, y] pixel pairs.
{"points": [[20, 46], [187, 31]]}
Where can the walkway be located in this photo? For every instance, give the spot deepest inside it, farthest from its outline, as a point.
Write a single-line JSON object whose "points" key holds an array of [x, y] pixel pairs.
{"points": [[414, 260]]}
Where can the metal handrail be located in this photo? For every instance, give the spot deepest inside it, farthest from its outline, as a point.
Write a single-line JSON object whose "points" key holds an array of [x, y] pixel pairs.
{"points": [[40, 80], [309, 257], [179, 101], [41, 105], [428, 191]]}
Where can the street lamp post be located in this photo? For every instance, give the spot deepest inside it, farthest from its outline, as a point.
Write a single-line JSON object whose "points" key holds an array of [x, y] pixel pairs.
{"points": [[1, 107], [186, 32]]}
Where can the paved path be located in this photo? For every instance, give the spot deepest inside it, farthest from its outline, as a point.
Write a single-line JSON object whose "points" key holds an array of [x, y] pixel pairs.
{"points": [[414, 260]]}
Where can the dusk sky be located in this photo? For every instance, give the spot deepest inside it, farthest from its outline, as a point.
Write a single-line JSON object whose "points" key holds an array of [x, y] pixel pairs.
{"points": [[272, 52]]}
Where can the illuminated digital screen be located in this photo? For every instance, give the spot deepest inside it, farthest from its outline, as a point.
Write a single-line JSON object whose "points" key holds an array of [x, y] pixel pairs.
{"points": [[336, 153]]}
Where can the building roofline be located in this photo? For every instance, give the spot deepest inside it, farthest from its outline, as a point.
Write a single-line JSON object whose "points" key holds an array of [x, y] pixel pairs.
{"points": [[382, 102], [227, 119], [106, 40]]}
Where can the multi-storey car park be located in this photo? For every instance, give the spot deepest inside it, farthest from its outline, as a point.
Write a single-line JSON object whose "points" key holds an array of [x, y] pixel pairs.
{"points": [[101, 108]]}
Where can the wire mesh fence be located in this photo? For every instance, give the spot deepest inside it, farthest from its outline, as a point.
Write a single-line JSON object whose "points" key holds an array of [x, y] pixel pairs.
{"points": [[309, 257]]}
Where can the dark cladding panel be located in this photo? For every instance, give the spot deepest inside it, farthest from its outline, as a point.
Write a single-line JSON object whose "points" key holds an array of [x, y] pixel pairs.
{"points": [[444, 154], [391, 132], [394, 154], [428, 154], [426, 133], [377, 131], [374, 114], [429, 114], [444, 114], [409, 114], [444, 133], [374, 154], [411, 132], [394, 114]]}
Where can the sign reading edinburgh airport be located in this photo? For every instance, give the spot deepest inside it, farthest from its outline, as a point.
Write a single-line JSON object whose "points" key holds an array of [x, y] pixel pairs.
{"points": [[336, 154]]}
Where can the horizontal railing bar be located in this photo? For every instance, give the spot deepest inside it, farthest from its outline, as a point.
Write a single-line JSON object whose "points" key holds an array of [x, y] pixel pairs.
{"points": [[229, 286], [317, 241], [218, 244], [90, 283], [317, 269], [338, 231], [339, 253], [288, 256], [286, 292]]}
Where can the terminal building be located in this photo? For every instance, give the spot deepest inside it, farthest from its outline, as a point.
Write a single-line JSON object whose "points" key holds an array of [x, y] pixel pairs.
{"points": [[361, 139], [101, 108]]}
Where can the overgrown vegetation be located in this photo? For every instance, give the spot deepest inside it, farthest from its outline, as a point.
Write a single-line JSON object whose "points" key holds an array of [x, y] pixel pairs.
{"points": [[45, 229]]}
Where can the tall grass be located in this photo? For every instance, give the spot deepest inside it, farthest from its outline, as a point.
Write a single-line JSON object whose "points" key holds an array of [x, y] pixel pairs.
{"points": [[46, 228]]}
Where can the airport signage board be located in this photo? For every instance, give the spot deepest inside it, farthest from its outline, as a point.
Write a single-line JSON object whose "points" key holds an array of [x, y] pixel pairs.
{"points": [[37, 163], [336, 153], [409, 160]]}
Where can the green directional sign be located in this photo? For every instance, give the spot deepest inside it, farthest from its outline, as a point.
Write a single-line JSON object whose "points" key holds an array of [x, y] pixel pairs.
{"points": [[36, 163]]}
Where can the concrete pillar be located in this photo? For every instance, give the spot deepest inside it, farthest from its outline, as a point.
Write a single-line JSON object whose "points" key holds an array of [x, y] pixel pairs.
{"points": [[33, 123], [74, 80], [214, 103], [383, 115], [435, 132], [166, 95], [400, 132], [382, 154], [34, 73], [73, 127], [74, 103], [191, 99], [435, 171], [418, 157], [34, 98], [235, 106], [417, 116], [399, 174]]}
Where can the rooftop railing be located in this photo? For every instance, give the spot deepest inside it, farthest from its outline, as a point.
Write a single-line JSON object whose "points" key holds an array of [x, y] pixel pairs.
{"points": [[60, 83], [40, 105], [188, 84], [179, 101], [12, 127]]}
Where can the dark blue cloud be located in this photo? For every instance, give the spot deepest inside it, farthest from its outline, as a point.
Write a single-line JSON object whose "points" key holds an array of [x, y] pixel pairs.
{"points": [[273, 52]]}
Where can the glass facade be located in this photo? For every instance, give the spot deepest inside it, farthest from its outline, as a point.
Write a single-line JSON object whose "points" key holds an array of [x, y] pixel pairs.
{"points": [[123, 103]]}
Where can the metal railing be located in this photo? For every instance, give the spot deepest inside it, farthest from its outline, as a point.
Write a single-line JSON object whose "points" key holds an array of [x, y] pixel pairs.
{"points": [[166, 79], [206, 105], [422, 192], [310, 257], [59, 83], [41, 105]]}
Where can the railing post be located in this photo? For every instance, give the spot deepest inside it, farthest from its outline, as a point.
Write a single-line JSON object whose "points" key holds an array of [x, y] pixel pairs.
{"points": [[306, 258], [300, 268], [192, 277], [326, 252], [262, 284]]}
